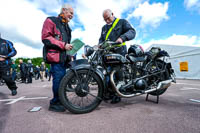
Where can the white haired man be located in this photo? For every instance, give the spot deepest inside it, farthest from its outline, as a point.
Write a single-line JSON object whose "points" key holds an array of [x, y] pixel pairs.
{"points": [[56, 37]]}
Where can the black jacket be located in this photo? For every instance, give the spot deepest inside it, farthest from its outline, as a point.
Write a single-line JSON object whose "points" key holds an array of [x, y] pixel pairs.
{"points": [[123, 30], [7, 50], [23, 68]]}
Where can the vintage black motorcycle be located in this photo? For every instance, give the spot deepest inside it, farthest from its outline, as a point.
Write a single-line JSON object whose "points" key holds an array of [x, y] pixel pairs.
{"points": [[89, 81]]}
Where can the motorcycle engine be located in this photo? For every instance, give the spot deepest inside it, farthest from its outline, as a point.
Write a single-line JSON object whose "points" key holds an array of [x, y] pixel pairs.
{"points": [[140, 84]]}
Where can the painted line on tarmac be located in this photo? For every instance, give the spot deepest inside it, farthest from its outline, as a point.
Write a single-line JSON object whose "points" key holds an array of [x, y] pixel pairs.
{"points": [[189, 84], [11, 101], [15, 100], [194, 100], [185, 89]]}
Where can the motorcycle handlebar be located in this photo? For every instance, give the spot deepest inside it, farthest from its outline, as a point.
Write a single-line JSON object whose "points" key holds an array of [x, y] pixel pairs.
{"points": [[113, 43]]}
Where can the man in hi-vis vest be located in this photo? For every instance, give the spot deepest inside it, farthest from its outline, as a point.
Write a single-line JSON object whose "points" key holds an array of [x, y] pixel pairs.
{"points": [[117, 30]]}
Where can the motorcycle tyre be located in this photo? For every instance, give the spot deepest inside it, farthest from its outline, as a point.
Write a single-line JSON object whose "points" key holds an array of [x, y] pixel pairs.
{"points": [[161, 91], [68, 105]]}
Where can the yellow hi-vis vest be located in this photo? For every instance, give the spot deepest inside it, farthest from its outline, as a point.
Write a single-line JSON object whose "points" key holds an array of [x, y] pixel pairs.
{"points": [[111, 28]]}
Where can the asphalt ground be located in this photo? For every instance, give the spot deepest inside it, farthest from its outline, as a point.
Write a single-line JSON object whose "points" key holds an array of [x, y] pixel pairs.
{"points": [[178, 111]]}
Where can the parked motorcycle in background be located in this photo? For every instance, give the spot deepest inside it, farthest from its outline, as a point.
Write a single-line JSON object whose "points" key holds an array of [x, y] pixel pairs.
{"points": [[88, 82]]}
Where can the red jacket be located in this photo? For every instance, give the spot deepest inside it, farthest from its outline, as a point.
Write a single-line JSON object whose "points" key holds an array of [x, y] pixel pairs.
{"points": [[55, 35]]}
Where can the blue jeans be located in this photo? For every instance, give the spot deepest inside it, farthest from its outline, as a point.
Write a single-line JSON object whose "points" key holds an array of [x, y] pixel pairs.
{"points": [[58, 71]]}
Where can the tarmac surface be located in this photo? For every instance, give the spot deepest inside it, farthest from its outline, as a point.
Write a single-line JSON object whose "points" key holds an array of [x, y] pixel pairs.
{"points": [[178, 111]]}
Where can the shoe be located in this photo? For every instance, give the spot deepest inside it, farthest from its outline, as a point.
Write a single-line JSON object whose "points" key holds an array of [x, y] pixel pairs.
{"points": [[14, 92], [115, 99], [108, 97], [56, 107]]}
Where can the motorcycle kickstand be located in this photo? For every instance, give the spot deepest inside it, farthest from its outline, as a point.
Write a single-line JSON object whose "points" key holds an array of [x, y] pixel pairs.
{"points": [[147, 99]]}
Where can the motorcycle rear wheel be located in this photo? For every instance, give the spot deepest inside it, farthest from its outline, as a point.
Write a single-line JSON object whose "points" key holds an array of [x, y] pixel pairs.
{"points": [[77, 100], [163, 76]]}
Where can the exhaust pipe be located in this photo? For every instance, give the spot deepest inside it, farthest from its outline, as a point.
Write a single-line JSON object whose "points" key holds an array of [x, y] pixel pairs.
{"points": [[161, 85]]}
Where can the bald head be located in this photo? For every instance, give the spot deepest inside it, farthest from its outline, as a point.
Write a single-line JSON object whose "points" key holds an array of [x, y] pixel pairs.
{"points": [[108, 16]]}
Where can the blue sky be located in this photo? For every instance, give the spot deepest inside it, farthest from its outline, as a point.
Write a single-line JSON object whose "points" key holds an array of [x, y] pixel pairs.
{"points": [[174, 22]]}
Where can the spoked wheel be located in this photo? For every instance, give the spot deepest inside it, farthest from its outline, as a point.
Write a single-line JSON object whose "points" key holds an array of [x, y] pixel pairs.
{"points": [[78, 95], [156, 66]]}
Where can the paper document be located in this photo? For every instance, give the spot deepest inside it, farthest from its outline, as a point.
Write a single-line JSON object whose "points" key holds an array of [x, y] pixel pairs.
{"points": [[35, 109], [77, 44]]}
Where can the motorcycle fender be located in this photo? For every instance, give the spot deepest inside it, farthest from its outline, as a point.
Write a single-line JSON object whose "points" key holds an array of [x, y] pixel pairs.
{"points": [[87, 67]]}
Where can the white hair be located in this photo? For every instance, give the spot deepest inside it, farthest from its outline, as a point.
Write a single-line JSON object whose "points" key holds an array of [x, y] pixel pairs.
{"points": [[108, 11], [29, 61], [65, 6]]}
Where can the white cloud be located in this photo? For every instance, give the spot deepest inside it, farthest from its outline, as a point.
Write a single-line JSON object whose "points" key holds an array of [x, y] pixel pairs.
{"points": [[27, 51], [50, 6], [193, 5], [21, 21], [175, 40], [89, 14], [150, 14]]}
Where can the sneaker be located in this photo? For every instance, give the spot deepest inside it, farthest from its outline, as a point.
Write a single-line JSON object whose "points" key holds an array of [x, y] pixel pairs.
{"points": [[56, 107], [14, 92], [115, 99]]}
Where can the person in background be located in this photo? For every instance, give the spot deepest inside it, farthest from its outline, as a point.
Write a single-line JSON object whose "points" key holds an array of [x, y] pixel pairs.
{"points": [[73, 57], [46, 73], [42, 71], [23, 70], [13, 70], [37, 72], [120, 31], [7, 51], [56, 37], [29, 71]]}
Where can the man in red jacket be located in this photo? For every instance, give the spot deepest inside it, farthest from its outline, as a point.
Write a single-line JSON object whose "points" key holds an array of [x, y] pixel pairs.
{"points": [[56, 37]]}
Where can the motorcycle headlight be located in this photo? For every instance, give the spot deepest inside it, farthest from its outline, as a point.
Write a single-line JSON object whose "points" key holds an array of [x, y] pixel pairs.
{"points": [[88, 50]]}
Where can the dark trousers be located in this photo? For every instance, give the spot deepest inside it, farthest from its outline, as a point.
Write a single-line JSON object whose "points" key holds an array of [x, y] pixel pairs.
{"points": [[5, 75], [14, 75], [29, 78], [58, 71], [23, 77]]}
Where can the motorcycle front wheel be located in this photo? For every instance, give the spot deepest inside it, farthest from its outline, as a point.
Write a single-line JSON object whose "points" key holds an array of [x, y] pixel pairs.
{"points": [[79, 95]]}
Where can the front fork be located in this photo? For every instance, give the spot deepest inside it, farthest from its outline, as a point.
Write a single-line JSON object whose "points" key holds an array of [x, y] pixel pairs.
{"points": [[83, 89]]}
